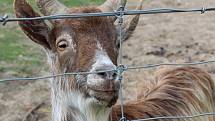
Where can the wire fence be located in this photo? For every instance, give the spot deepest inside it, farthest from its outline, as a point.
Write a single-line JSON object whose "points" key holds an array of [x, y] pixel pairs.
{"points": [[5, 19], [122, 68], [120, 13]]}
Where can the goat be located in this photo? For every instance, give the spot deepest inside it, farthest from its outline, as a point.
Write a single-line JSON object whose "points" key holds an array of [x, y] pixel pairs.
{"points": [[91, 44], [77, 45]]}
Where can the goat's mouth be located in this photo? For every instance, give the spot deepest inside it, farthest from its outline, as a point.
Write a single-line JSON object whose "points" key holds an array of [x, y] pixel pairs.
{"points": [[104, 96], [103, 90]]}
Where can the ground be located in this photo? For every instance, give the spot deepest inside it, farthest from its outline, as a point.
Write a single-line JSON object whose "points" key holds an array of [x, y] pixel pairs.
{"points": [[160, 38]]}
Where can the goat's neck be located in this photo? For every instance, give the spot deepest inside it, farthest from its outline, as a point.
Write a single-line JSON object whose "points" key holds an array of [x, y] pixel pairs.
{"points": [[73, 106]]}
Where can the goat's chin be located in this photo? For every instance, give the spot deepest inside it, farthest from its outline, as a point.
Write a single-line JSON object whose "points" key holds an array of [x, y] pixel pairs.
{"points": [[107, 98]]}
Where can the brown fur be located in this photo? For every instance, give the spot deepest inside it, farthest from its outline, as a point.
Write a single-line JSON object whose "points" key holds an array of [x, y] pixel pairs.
{"points": [[35, 30], [178, 92], [86, 33]]}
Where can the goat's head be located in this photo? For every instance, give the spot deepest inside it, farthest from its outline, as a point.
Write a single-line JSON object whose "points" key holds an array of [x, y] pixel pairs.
{"points": [[83, 44]]}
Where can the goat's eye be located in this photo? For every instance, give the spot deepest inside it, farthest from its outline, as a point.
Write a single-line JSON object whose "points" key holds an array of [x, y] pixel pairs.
{"points": [[62, 45]]}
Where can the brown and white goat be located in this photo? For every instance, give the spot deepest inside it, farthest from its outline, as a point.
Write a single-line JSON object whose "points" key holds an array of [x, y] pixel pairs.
{"points": [[90, 44]]}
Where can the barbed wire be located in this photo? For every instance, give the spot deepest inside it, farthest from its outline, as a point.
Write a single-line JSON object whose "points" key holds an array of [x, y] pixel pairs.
{"points": [[177, 117], [5, 19]]}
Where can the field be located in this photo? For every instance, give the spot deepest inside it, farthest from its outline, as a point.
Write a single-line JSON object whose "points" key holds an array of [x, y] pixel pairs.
{"points": [[161, 38]]}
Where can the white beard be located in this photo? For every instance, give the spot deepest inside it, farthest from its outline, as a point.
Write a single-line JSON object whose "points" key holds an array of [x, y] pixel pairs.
{"points": [[73, 106]]}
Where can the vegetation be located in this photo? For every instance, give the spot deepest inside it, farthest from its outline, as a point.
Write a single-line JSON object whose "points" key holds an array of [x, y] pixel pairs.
{"points": [[18, 55]]}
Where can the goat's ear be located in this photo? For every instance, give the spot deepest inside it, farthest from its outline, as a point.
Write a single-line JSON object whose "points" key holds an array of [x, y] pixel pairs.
{"points": [[36, 30]]}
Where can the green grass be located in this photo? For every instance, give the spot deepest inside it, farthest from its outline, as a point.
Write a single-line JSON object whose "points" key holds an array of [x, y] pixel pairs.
{"points": [[18, 56], [7, 5], [10, 48], [82, 2]]}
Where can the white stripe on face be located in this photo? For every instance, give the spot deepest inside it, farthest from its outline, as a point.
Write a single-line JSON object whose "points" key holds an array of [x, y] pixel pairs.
{"points": [[101, 62]]}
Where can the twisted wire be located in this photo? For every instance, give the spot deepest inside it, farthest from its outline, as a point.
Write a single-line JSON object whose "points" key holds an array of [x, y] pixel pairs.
{"points": [[5, 19], [95, 72]]}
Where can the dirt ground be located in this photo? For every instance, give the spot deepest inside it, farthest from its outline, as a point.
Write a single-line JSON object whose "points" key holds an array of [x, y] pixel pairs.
{"points": [[175, 38]]}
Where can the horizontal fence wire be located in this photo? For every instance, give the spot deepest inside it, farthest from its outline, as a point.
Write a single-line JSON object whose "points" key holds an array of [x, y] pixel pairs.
{"points": [[177, 117], [119, 13], [171, 64], [4, 19], [53, 76], [122, 68]]}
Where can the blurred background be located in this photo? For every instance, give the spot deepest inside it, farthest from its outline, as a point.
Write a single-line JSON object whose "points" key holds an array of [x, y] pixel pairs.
{"points": [[160, 38]]}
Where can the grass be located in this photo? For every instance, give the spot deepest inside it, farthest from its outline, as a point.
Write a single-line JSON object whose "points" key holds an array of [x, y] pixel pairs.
{"points": [[82, 2], [7, 5], [18, 56]]}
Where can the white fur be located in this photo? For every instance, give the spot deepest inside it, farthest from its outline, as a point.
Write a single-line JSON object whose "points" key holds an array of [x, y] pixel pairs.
{"points": [[101, 59], [99, 46], [84, 109], [80, 108]]}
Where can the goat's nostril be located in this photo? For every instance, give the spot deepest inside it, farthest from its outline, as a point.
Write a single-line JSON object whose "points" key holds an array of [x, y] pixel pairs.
{"points": [[114, 75], [107, 75], [102, 74]]}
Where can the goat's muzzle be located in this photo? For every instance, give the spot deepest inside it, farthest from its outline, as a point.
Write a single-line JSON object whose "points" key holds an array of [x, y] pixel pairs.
{"points": [[103, 86]]}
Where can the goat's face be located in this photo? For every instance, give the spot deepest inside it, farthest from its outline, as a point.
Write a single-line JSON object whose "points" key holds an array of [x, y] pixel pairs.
{"points": [[87, 44], [77, 45]]}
